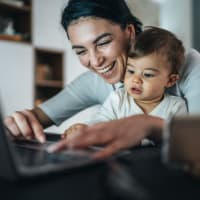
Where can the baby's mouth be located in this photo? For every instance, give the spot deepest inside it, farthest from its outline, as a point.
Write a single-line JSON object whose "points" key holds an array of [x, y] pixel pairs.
{"points": [[136, 90]]}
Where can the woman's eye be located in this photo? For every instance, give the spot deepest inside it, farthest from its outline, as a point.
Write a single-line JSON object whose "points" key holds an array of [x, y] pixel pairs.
{"points": [[104, 43], [80, 52]]}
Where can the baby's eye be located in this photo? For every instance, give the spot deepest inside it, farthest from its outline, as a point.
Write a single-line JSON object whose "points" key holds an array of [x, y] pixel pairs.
{"points": [[148, 75], [130, 71]]}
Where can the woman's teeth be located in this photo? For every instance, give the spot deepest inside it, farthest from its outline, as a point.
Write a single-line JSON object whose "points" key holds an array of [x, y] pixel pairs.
{"points": [[106, 69]]}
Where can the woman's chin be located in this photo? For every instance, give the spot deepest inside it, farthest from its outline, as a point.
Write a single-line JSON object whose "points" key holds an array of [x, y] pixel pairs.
{"points": [[112, 80]]}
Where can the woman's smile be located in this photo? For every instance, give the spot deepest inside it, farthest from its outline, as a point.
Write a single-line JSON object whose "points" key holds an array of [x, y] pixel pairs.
{"points": [[111, 72], [107, 69]]}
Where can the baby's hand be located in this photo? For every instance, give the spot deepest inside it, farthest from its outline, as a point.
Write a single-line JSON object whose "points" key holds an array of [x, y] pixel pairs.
{"points": [[72, 129]]}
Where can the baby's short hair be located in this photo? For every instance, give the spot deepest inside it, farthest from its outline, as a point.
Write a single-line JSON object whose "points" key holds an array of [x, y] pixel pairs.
{"points": [[162, 42]]}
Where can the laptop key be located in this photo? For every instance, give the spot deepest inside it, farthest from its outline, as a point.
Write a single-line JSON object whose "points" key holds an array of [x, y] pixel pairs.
{"points": [[31, 144], [68, 156], [34, 157], [56, 158]]}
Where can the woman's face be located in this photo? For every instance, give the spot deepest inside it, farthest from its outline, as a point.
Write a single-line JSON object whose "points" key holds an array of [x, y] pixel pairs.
{"points": [[101, 46]]}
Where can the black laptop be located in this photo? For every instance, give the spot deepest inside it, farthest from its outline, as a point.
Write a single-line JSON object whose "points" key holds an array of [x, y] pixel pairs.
{"points": [[20, 158]]}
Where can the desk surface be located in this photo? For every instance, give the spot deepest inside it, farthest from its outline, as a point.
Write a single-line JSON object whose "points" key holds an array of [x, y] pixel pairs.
{"points": [[89, 183], [162, 182]]}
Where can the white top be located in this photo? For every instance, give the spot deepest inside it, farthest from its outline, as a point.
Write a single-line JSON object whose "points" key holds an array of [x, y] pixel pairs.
{"points": [[89, 89], [120, 104]]}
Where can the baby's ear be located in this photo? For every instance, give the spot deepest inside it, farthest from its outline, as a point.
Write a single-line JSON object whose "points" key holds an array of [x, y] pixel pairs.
{"points": [[172, 79]]}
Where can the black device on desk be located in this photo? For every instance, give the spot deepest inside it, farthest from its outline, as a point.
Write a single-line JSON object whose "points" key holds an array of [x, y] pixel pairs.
{"points": [[23, 159]]}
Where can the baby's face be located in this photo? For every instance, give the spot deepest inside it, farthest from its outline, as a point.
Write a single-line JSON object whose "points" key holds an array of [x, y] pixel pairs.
{"points": [[147, 77]]}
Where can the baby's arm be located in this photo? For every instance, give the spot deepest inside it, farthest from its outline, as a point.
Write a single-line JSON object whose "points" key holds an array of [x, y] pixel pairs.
{"points": [[107, 112]]}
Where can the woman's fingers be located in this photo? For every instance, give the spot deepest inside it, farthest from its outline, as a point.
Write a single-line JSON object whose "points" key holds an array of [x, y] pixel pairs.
{"points": [[108, 150], [58, 146], [22, 123], [80, 138], [12, 126], [91, 135], [25, 124], [36, 127]]}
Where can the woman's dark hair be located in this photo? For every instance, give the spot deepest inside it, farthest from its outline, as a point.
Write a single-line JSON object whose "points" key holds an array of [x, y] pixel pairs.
{"points": [[116, 11], [162, 42]]}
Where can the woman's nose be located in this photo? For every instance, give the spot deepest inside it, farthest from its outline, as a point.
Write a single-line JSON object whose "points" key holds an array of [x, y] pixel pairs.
{"points": [[96, 60]]}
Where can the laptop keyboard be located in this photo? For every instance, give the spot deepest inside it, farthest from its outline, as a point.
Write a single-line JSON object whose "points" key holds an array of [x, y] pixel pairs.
{"points": [[31, 144], [36, 158], [32, 153]]}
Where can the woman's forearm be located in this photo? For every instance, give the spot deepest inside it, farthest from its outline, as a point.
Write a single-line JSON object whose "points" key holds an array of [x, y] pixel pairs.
{"points": [[44, 120]]}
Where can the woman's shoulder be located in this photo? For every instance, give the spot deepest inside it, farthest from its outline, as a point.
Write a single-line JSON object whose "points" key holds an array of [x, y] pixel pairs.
{"points": [[91, 80], [192, 62], [190, 72], [192, 55], [89, 75]]}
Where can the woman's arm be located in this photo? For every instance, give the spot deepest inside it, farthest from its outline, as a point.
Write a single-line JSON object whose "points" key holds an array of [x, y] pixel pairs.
{"points": [[115, 135], [87, 90], [80, 94]]}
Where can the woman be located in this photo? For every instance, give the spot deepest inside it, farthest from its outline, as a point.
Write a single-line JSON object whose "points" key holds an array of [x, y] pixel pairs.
{"points": [[100, 33]]}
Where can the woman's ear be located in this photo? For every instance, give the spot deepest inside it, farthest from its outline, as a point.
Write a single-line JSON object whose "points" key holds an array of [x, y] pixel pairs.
{"points": [[131, 31], [172, 80]]}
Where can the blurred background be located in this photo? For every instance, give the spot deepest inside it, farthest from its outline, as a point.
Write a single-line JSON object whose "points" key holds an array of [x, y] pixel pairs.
{"points": [[36, 60]]}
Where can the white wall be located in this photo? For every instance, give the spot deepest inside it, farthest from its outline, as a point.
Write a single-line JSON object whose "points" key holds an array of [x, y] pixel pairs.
{"points": [[48, 33], [176, 16], [47, 30], [16, 76], [147, 11]]}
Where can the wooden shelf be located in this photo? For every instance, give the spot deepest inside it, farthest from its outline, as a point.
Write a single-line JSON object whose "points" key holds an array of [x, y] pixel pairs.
{"points": [[48, 63], [16, 38], [49, 83], [9, 7], [20, 16], [48, 73]]}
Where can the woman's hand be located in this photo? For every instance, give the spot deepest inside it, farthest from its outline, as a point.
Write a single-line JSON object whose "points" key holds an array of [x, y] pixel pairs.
{"points": [[28, 123], [114, 135]]}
